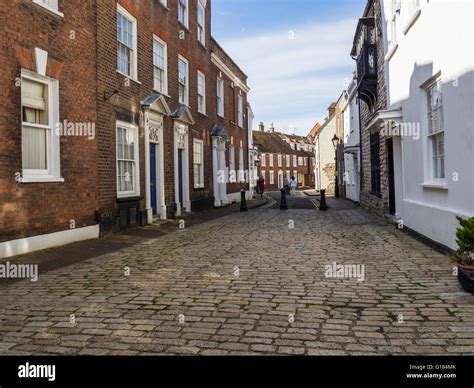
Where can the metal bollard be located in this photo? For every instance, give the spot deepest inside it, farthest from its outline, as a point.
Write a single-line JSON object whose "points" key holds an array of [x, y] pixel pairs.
{"points": [[243, 201], [322, 205], [283, 205]]}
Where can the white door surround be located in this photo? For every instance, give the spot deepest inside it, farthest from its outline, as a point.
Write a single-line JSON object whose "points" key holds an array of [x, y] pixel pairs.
{"points": [[182, 120], [219, 171], [155, 108]]}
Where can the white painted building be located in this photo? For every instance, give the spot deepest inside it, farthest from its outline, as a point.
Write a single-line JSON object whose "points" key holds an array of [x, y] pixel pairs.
{"points": [[351, 124], [325, 155], [429, 77]]}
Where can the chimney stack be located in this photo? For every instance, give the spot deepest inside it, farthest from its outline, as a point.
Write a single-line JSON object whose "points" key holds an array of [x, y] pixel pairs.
{"points": [[271, 128], [261, 127], [331, 109]]}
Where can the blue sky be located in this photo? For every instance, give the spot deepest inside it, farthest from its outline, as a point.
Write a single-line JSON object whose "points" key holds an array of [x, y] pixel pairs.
{"points": [[295, 53]]}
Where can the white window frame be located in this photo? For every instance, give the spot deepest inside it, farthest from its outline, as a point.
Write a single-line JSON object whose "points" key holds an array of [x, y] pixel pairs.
{"points": [[200, 143], [280, 160], [164, 2], [202, 76], [432, 135], [295, 162], [241, 173], [52, 173], [300, 160], [232, 172], [220, 97], [186, 94], [185, 20], [203, 26], [165, 70], [240, 111], [288, 161], [305, 161], [263, 159], [270, 158], [134, 57], [50, 5], [263, 173], [134, 128], [295, 174], [272, 177]]}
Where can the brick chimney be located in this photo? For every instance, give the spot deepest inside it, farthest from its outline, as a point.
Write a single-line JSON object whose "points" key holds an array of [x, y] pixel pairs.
{"points": [[331, 109], [261, 127]]}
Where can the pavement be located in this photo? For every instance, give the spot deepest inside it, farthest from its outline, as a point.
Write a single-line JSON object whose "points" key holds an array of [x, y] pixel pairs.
{"points": [[251, 283]]}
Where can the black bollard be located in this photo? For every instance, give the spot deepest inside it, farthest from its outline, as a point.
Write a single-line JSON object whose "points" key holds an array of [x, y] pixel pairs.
{"points": [[283, 205], [322, 205], [243, 201]]}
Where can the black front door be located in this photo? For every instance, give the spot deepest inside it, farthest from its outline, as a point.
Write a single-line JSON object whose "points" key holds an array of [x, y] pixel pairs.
{"points": [[391, 177]]}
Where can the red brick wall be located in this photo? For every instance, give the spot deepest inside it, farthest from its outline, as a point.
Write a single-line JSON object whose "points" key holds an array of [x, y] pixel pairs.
{"points": [[231, 92], [148, 13], [30, 209]]}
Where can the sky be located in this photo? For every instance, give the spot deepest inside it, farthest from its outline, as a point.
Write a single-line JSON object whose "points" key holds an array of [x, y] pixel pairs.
{"points": [[296, 54]]}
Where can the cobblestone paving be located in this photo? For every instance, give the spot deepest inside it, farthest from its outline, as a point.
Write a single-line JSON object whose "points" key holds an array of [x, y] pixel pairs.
{"points": [[191, 275]]}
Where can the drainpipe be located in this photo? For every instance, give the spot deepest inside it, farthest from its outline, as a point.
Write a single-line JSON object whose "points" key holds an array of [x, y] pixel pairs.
{"points": [[361, 175]]}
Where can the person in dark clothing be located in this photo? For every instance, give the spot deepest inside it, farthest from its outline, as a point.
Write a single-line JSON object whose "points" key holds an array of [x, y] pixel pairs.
{"points": [[261, 186]]}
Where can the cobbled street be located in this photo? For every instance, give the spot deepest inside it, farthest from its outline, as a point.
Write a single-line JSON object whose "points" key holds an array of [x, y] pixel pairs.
{"points": [[248, 283]]}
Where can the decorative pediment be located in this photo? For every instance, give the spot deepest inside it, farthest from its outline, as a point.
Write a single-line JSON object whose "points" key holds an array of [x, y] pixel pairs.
{"points": [[157, 103], [183, 115]]}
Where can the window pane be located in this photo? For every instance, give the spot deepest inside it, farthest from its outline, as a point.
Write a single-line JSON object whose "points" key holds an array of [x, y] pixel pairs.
{"points": [[34, 148]]}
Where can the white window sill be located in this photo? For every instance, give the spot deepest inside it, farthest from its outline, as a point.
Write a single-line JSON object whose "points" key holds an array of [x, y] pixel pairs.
{"points": [[435, 185], [162, 93], [130, 78], [391, 51], [184, 25], [127, 195], [202, 113], [41, 179], [412, 21], [52, 10]]}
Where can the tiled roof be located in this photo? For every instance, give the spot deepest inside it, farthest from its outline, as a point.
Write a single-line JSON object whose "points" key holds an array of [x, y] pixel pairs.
{"points": [[273, 143]]}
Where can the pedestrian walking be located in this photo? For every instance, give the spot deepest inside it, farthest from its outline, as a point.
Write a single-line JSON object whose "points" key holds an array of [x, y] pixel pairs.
{"points": [[261, 186], [286, 185], [293, 184]]}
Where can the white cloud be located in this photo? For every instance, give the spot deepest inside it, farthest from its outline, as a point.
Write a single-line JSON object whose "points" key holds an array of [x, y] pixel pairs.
{"points": [[294, 75]]}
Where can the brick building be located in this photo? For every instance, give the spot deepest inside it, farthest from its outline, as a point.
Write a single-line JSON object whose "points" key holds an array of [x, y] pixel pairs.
{"points": [[174, 91], [368, 50], [164, 111], [283, 156], [48, 152]]}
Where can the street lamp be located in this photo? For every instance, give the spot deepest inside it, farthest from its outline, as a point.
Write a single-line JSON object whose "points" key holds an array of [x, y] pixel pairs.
{"points": [[335, 143]]}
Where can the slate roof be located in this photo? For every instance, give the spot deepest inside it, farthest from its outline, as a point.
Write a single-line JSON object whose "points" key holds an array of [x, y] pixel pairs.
{"points": [[219, 130], [150, 99]]}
